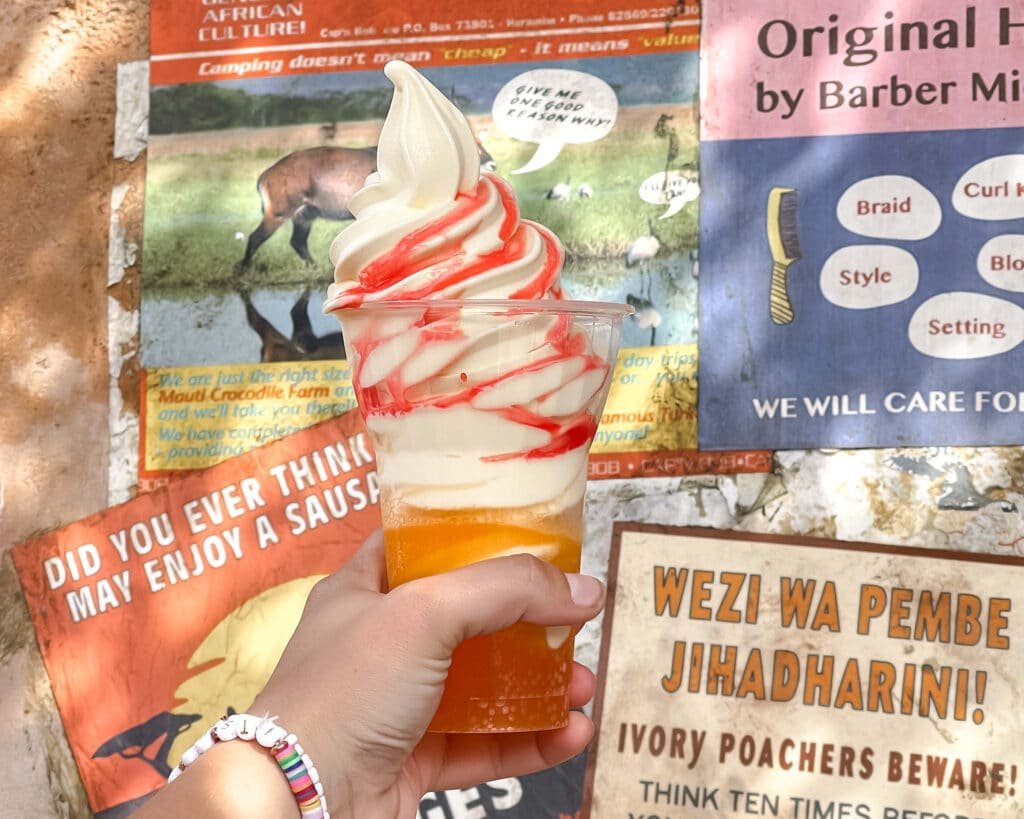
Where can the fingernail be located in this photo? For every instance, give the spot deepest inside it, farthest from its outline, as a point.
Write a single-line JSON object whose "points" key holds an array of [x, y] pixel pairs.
{"points": [[585, 590]]}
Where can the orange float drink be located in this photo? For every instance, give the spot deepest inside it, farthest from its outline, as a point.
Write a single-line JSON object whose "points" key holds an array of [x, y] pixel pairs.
{"points": [[483, 458], [481, 388], [515, 679]]}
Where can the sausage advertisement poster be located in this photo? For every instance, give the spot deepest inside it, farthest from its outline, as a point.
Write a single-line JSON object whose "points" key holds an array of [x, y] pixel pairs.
{"points": [[862, 184], [263, 122], [765, 675], [156, 616]]}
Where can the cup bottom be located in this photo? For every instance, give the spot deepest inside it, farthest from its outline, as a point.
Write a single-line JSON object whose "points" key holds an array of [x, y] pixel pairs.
{"points": [[512, 680], [505, 715]]}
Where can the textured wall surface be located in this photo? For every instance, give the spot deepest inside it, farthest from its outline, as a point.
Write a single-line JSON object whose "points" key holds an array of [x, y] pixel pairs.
{"points": [[58, 69]]}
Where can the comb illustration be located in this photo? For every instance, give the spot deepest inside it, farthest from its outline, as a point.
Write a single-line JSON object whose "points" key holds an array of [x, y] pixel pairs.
{"points": [[784, 244]]}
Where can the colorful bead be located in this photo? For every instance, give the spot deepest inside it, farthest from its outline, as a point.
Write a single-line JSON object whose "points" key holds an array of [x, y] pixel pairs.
{"points": [[302, 779]]}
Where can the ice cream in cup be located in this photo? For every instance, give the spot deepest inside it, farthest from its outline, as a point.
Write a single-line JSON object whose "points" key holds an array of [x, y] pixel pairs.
{"points": [[480, 385]]}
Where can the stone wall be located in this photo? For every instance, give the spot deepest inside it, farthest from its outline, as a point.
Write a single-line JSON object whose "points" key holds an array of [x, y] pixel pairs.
{"points": [[58, 69]]}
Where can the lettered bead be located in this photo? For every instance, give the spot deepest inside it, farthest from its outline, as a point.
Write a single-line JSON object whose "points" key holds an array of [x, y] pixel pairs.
{"points": [[225, 730], [246, 726], [268, 734]]}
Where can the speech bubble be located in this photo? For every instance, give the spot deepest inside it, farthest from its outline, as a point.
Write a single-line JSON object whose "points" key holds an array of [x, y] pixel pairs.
{"points": [[966, 325], [992, 190], [1001, 262], [889, 207], [673, 188], [859, 277], [553, 107]]}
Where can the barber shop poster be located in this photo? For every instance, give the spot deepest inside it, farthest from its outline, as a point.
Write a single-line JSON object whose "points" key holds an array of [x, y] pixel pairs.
{"points": [[862, 186], [765, 675]]}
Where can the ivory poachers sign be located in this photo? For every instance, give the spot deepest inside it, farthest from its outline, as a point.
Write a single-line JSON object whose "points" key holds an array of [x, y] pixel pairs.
{"points": [[756, 675]]}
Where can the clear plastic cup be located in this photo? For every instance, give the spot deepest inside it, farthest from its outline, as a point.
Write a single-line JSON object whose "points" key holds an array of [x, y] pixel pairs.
{"points": [[482, 414]]}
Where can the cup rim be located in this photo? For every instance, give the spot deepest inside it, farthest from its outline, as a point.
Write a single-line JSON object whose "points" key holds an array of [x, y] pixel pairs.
{"points": [[600, 308]]}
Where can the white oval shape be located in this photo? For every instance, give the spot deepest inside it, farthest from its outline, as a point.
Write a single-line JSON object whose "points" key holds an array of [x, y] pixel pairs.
{"points": [[673, 188], [554, 106], [860, 277], [889, 207], [1001, 262], [993, 189], [966, 325], [557, 635]]}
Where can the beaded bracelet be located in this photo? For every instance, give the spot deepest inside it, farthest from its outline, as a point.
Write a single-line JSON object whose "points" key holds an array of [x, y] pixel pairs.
{"points": [[303, 777]]}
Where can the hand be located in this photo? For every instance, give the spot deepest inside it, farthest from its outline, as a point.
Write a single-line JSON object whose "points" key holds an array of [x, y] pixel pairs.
{"points": [[363, 675]]}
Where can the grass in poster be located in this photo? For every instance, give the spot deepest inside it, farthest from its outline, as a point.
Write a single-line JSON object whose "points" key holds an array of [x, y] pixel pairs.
{"points": [[202, 201]]}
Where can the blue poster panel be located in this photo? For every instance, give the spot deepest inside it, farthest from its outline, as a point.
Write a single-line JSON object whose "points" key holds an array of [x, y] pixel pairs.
{"points": [[862, 251]]}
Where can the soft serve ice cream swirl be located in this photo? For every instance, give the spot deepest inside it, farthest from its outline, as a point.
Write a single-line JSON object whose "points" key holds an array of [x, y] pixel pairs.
{"points": [[450, 395], [428, 223]]}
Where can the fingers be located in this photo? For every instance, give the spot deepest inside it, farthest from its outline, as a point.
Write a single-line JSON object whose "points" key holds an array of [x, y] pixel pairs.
{"points": [[491, 595], [582, 685], [473, 758], [364, 570]]}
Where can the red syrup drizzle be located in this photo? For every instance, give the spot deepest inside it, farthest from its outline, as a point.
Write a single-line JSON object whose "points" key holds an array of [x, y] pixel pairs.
{"points": [[451, 265], [447, 262]]}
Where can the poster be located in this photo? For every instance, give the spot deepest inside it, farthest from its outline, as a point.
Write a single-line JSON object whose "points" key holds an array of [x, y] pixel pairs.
{"points": [[862, 180], [191, 417], [766, 675], [263, 122], [156, 616]]}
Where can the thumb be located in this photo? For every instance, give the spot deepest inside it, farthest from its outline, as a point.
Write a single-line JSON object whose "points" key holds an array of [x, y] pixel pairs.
{"points": [[493, 594], [363, 572]]}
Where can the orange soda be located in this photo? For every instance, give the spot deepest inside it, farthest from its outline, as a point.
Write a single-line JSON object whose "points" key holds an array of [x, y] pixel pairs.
{"points": [[516, 679]]}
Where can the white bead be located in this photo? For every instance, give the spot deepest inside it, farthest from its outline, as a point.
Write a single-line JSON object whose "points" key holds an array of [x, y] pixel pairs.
{"points": [[314, 774], [204, 743], [326, 814], [319, 789], [225, 730], [190, 756], [305, 759], [268, 734], [245, 725], [174, 775], [299, 749], [291, 739]]}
